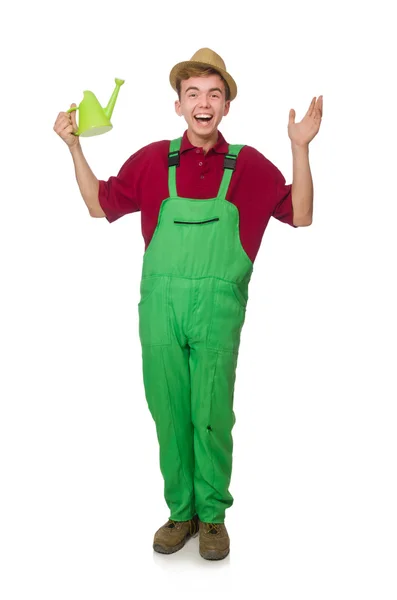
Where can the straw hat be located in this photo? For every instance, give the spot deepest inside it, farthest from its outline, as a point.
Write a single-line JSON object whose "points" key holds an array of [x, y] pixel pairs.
{"points": [[205, 58]]}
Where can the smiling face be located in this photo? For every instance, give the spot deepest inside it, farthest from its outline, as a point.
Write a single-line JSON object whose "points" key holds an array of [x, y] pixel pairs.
{"points": [[203, 105]]}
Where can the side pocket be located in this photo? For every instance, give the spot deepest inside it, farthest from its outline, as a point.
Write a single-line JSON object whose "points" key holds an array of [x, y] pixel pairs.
{"points": [[154, 327], [241, 298], [227, 318], [148, 285]]}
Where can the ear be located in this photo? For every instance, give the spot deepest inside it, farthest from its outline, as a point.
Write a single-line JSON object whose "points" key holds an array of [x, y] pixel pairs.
{"points": [[177, 107], [227, 108]]}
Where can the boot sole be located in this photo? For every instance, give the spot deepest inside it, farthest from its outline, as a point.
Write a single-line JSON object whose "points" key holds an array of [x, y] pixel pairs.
{"points": [[215, 554], [170, 550]]}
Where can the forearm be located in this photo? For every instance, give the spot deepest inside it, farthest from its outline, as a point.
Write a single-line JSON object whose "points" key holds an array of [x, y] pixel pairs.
{"points": [[88, 183], [302, 186]]}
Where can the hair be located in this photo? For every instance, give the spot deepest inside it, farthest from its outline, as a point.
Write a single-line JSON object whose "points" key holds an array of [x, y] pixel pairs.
{"points": [[197, 71]]}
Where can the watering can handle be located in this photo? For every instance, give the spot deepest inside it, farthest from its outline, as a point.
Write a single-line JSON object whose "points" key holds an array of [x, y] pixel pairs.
{"points": [[69, 111]]}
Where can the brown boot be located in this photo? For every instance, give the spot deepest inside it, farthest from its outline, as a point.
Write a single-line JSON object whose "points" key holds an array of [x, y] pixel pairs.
{"points": [[214, 541], [172, 536]]}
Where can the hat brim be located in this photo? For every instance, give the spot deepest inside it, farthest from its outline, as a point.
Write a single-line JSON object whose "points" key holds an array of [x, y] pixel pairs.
{"points": [[189, 63]]}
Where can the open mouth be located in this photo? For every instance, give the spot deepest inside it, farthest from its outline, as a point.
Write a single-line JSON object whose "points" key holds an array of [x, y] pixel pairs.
{"points": [[203, 119]]}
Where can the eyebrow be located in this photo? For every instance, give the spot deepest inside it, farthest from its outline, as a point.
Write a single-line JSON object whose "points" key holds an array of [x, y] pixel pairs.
{"points": [[215, 89]]}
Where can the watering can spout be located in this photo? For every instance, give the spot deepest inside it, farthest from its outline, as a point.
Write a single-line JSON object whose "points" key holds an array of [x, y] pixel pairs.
{"points": [[109, 109]]}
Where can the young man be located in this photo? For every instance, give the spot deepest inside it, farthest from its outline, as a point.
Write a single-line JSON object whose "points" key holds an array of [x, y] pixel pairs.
{"points": [[204, 206]]}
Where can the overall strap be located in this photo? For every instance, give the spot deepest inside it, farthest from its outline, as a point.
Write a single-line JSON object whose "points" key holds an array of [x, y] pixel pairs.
{"points": [[229, 166], [173, 162]]}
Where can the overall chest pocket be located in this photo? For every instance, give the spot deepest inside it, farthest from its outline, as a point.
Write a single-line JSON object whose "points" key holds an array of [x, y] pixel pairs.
{"points": [[153, 310], [227, 317], [201, 222]]}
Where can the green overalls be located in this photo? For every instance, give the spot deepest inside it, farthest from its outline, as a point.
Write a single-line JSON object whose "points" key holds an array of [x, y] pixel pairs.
{"points": [[194, 292]]}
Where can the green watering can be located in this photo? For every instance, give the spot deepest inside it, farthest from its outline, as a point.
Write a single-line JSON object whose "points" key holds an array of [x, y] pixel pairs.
{"points": [[93, 119]]}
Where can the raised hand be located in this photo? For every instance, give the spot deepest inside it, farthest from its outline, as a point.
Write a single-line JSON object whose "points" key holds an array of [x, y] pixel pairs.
{"points": [[65, 125], [301, 134]]}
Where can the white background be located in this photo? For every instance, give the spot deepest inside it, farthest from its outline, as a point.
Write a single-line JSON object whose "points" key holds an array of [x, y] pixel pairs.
{"points": [[314, 476]]}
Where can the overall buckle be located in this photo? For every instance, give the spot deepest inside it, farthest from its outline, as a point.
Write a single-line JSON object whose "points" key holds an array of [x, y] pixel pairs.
{"points": [[230, 161], [173, 159]]}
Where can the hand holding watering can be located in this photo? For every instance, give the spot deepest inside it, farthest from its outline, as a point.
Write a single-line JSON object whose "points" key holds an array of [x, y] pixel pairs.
{"points": [[93, 119]]}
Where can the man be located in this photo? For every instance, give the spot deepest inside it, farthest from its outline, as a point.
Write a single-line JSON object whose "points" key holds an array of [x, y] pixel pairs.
{"points": [[204, 206]]}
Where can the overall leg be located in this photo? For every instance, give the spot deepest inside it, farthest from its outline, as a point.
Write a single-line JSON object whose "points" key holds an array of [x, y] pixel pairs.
{"points": [[166, 379], [167, 387], [214, 344], [212, 379]]}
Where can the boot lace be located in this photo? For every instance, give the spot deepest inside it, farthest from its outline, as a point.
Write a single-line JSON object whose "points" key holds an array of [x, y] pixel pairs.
{"points": [[171, 524], [213, 528], [192, 525]]}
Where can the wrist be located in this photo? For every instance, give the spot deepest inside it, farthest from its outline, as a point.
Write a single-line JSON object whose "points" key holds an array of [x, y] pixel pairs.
{"points": [[76, 147], [302, 148]]}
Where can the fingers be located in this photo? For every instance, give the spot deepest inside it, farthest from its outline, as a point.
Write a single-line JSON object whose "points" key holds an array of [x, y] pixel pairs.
{"points": [[320, 105], [319, 108], [311, 107], [65, 126], [316, 108], [64, 120]]}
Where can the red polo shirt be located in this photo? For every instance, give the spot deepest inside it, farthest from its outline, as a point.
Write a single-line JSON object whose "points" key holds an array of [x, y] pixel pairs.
{"points": [[257, 187]]}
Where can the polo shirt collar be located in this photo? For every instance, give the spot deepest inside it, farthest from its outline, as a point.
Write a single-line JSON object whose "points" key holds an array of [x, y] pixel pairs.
{"points": [[221, 146]]}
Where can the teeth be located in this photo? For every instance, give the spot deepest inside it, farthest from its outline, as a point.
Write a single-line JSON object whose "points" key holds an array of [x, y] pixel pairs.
{"points": [[203, 116]]}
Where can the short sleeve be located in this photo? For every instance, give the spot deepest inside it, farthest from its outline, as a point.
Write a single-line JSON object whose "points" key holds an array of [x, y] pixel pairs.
{"points": [[120, 195], [283, 210]]}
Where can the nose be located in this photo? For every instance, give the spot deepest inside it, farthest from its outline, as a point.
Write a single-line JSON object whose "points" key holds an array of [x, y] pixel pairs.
{"points": [[204, 100]]}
